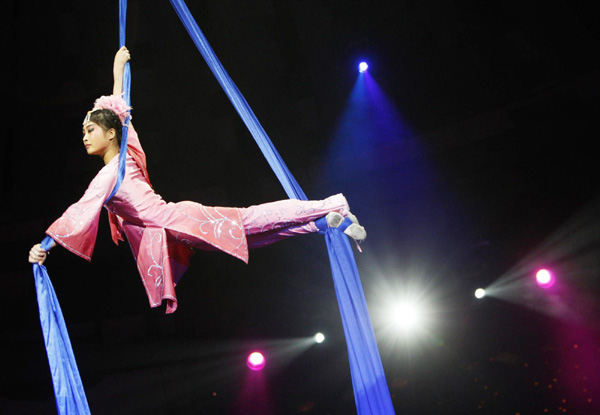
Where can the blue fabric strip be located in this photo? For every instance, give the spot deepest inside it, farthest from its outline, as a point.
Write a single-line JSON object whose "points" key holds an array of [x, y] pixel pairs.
{"points": [[68, 389], [368, 379], [126, 96], [288, 181]]}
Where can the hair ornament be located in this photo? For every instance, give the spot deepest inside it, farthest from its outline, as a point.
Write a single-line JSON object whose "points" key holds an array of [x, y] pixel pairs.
{"points": [[87, 118], [115, 103]]}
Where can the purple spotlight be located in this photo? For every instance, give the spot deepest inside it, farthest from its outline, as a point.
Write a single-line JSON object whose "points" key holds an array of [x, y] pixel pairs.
{"points": [[256, 361], [545, 278], [362, 67]]}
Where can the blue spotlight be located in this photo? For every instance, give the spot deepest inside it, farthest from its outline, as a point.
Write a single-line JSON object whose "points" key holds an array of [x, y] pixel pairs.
{"points": [[362, 67]]}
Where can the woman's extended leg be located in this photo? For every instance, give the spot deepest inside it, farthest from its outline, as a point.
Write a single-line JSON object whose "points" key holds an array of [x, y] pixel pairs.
{"points": [[270, 222], [258, 240]]}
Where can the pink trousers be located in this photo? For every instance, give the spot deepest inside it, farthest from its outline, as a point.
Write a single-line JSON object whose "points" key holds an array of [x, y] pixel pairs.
{"points": [[271, 222]]}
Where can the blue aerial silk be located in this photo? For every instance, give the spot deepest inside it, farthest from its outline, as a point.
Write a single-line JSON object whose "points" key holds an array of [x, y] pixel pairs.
{"points": [[368, 378], [126, 97], [68, 388]]}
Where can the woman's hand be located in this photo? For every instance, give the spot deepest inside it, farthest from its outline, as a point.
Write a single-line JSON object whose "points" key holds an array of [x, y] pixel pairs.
{"points": [[37, 254], [121, 58]]}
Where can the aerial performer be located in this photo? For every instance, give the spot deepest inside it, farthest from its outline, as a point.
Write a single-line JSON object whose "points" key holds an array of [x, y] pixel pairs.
{"points": [[163, 235]]}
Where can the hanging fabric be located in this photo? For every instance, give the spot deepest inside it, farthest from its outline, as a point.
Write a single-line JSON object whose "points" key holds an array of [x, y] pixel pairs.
{"points": [[68, 388], [126, 96], [368, 378]]}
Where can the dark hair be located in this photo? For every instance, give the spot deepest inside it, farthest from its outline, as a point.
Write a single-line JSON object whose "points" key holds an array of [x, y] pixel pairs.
{"points": [[107, 120]]}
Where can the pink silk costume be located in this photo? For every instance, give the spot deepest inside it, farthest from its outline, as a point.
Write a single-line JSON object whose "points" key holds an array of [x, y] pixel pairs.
{"points": [[162, 235]]}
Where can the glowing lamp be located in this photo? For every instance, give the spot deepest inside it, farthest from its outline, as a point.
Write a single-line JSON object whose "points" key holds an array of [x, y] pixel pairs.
{"points": [[319, 337], [255, 361], [479, 293], [406, 316], [362, 67], [545, 278]]}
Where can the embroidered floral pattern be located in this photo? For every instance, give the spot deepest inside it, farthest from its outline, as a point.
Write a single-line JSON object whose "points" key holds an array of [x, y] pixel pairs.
{"points": [[211, 222]]}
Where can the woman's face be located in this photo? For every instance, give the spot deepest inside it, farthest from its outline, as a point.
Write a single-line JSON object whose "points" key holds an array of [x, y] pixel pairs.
{"points": [[97, 140]]}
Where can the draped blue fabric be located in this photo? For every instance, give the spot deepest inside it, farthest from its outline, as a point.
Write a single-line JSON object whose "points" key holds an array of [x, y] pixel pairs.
{"points": [[126, 96], [239, 102], [368, 378], [68, 389]]}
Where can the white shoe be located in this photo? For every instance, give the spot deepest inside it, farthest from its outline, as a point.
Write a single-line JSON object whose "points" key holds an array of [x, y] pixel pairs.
{"points": [[334, 219], [356, 232], [353, 218]]}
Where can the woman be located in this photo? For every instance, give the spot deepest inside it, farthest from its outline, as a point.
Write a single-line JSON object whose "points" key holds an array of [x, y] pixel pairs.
{"points": [[162, 234]]}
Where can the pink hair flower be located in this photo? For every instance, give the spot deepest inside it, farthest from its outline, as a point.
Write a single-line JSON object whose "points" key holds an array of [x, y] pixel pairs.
{"points": [[114, 103]]}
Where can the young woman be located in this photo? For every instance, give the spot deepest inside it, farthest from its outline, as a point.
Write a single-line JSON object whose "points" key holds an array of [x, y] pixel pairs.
{"points": [[162, 235]]}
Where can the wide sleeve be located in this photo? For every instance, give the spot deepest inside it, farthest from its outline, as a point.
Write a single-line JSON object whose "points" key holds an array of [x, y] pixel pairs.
{"points": [[135, 150], [133, 143], [77, 228]]}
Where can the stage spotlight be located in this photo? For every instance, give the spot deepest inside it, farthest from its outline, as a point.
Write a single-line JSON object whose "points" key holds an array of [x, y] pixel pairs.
{"points": [[545, 278], [255, 361], [362, 67], [406, 316], [319, 337], [479, 293]]}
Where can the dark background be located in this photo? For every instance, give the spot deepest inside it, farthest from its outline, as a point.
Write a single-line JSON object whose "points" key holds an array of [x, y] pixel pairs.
{"points": [[500, 99]]}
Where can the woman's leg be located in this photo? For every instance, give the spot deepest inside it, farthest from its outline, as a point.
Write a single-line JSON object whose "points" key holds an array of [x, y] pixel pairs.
{"points": [[278, 220], [258, 240]]}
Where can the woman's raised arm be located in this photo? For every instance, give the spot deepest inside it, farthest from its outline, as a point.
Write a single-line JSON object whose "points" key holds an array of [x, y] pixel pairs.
{"points": [[121, 58]]}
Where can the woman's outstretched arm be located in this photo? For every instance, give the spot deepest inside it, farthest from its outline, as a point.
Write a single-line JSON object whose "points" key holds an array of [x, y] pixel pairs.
{"points": [[121, 58], [37, 254]]}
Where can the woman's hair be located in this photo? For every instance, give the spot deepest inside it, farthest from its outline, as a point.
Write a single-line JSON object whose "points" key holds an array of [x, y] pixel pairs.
{"points": [[107, 120]]}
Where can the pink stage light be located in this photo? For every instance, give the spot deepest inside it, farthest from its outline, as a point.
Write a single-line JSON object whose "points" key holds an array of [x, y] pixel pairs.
{"points": [[545, 278], [256, 361]]}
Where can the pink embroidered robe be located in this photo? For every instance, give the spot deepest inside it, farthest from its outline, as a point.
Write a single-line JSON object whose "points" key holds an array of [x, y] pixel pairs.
{"points": [[161, 234]]}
